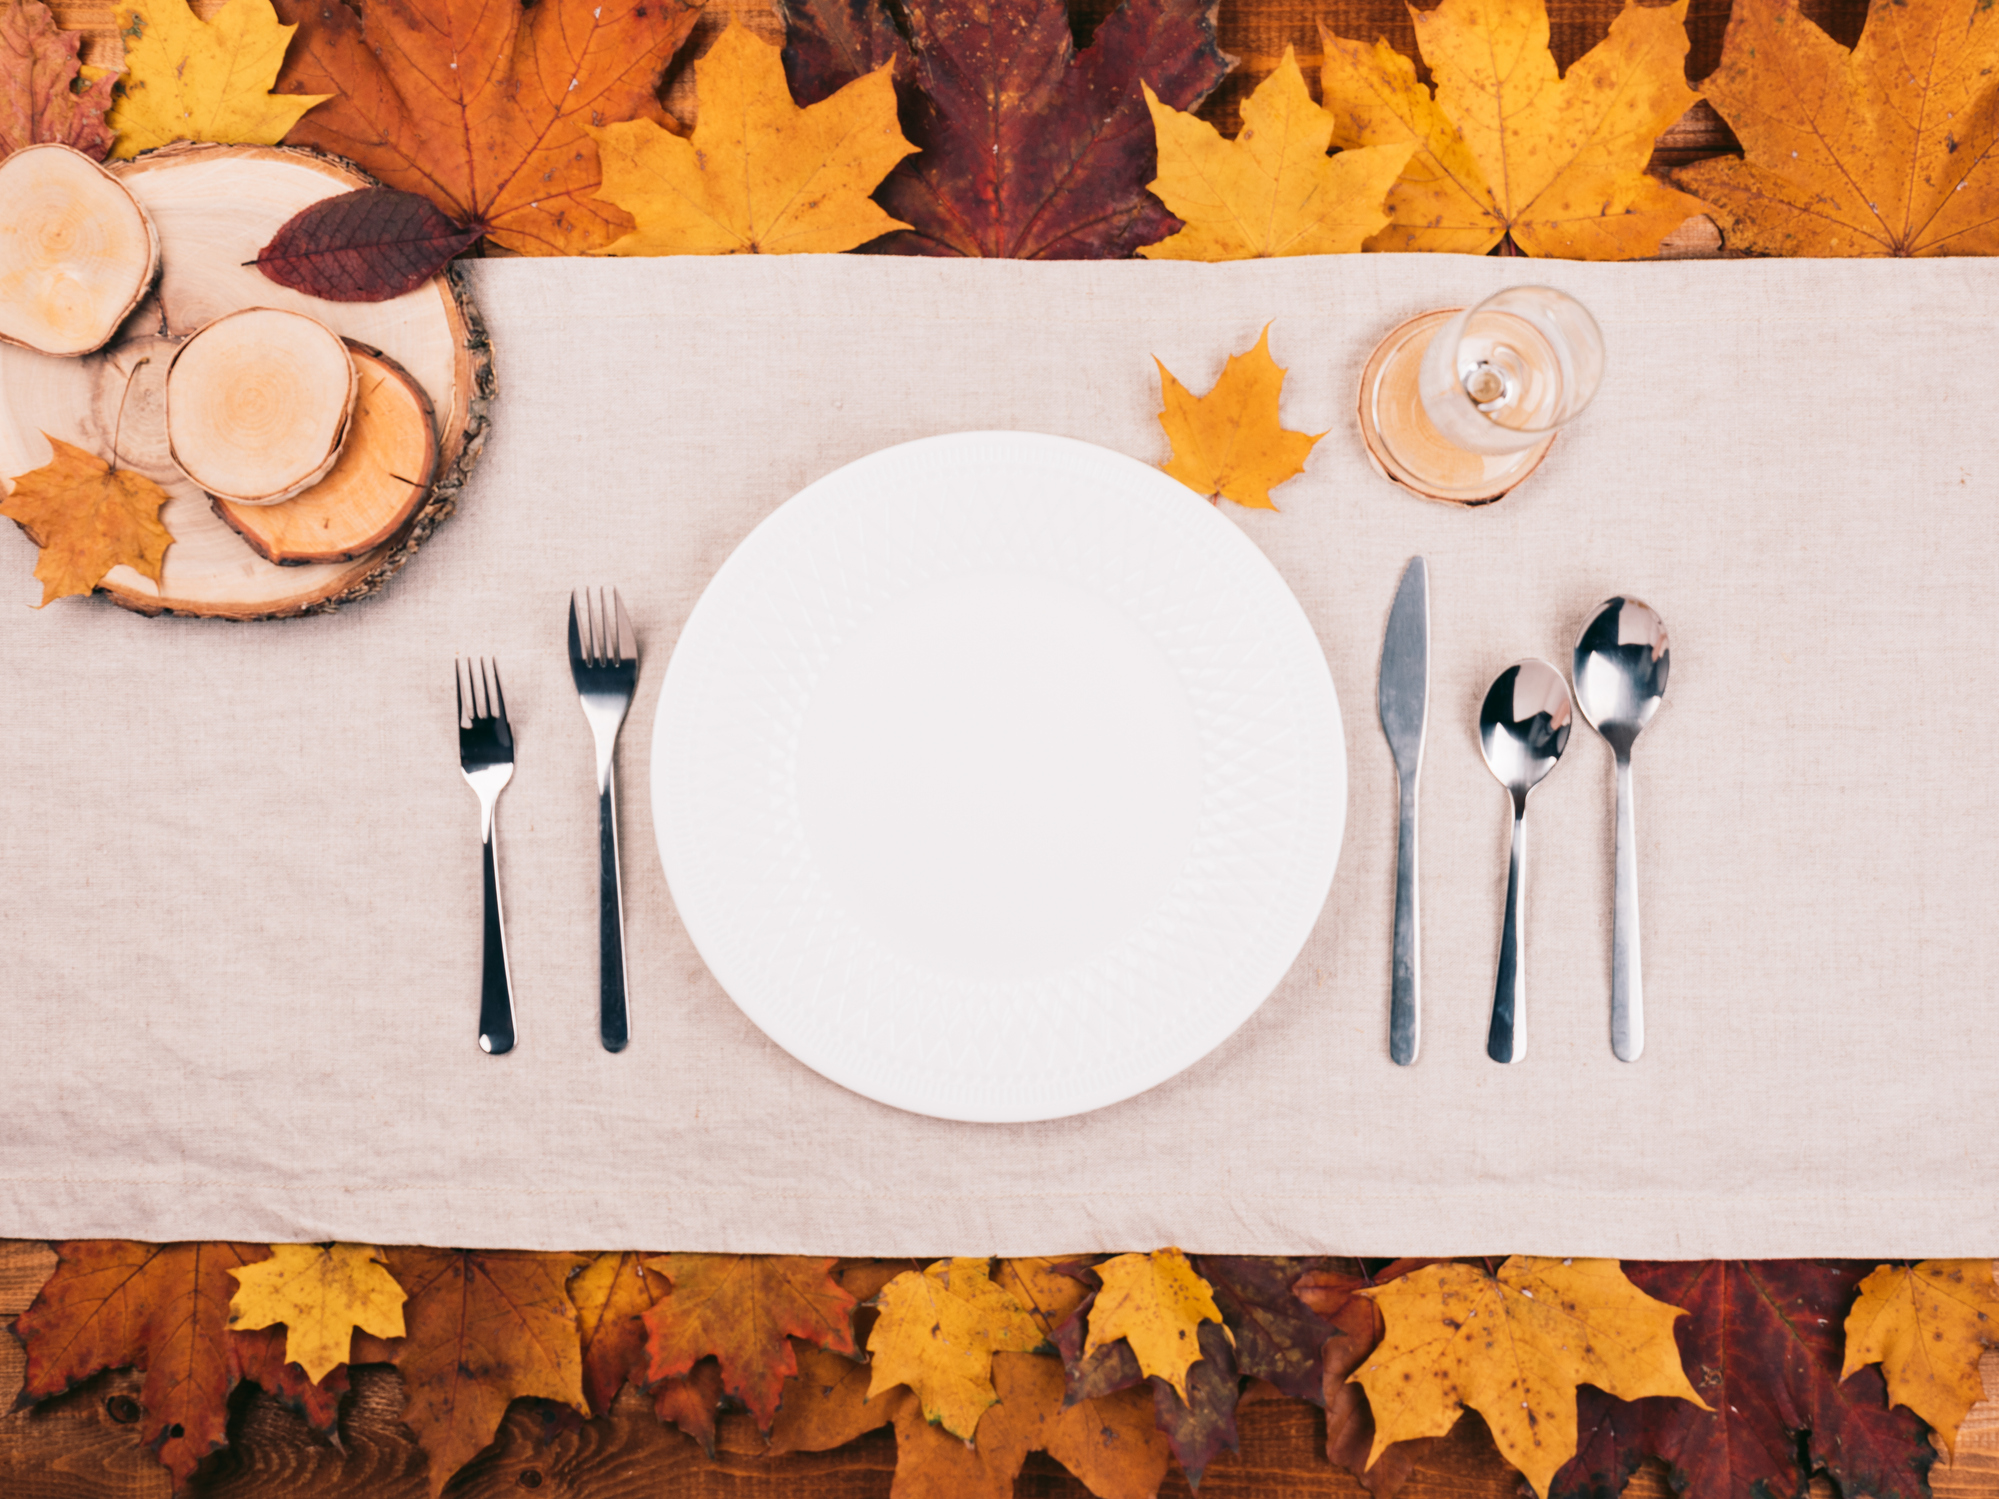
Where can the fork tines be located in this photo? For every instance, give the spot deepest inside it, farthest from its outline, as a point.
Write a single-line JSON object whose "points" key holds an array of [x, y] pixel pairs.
{"points": [[480, 701], [594, 637]]}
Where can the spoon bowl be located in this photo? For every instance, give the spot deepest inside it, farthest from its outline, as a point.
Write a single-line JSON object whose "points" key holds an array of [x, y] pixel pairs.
{"points": [[1621, 663], [1523, 728]]}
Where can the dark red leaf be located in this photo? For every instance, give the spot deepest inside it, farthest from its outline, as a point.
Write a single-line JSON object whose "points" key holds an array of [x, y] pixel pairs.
{"points": [[365, 246], [1277, 1336], [1763, 1347], [1027, 148]]}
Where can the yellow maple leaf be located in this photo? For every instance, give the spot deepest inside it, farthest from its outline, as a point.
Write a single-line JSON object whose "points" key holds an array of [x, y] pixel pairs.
{"points": [[1045, 1292], [1926, 1326], [1157, 1303], [759, 175], [1514, 1347], [1229, 442], [1510, 146], [188, 79], [938, 1332], [321, 1293], [1884, 150], [88, 518], [1272, 190]]}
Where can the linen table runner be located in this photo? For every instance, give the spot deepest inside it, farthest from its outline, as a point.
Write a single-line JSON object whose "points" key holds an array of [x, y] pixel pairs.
{"points": [[239, 877]]}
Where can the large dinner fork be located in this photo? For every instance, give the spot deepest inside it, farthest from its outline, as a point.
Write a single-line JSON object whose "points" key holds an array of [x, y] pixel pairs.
{"points": [[486, 755], [604, 661]]}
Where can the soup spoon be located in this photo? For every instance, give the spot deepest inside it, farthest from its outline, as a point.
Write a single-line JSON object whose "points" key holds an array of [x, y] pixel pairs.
{"points": [[1622, 657], [1523, 728]]}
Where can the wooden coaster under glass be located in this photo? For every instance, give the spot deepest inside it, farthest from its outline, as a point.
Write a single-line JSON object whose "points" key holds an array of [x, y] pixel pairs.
{"points": [[1405, 446]]}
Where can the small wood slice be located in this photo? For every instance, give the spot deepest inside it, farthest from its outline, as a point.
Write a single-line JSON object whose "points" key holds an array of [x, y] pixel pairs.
{"points": [[1405, 447], [215, 207], [384, 472], [77, 253], [258, 404]]}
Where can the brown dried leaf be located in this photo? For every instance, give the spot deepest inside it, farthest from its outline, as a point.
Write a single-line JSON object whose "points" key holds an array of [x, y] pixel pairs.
{"points": [[485, 1327], [745, 1309], [38, 71], [163, 1308], [612, 1293]]}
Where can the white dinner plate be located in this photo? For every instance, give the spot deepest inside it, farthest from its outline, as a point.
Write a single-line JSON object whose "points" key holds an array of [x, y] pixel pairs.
{"points": [[998, 777]]}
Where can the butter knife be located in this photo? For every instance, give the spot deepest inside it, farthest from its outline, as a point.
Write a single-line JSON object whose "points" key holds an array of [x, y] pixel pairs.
{"points": [[1403, 698]]}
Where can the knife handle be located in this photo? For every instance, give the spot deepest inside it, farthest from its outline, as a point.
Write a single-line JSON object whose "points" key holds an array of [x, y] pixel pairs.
{"points": [[1405, 989]]}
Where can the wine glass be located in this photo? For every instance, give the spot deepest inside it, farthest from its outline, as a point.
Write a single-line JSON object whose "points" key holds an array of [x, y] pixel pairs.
{"points": [[1462, 404]]}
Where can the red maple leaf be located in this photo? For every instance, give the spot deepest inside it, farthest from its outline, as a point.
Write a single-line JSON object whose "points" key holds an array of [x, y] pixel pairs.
{"points": [[1762, 1344], [1027, 149]]}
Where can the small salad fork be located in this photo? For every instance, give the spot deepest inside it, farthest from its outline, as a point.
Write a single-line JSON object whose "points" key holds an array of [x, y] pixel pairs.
{"points": [[604, 662], [486, 755]]}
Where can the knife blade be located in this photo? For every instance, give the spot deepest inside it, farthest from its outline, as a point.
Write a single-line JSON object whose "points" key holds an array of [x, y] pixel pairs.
{"points": [[1403, 699]]}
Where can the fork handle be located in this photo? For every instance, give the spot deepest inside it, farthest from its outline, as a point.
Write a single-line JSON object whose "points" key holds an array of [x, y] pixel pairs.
{"points": [[614, 1022], [496, 994]]}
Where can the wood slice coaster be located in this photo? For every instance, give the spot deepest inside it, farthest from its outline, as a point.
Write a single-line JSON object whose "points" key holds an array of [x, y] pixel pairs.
{"points": [[258, 405], [1404, 446], [215, 207], [77, 254], [384, 472]]}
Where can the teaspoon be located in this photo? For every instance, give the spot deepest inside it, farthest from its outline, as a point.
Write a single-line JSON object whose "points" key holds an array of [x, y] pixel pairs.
{"points": [[1522, 728], [1621, 662]]}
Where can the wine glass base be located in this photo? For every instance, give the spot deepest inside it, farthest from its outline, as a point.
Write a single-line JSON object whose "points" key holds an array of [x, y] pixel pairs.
{"points": [[1405, 447]]}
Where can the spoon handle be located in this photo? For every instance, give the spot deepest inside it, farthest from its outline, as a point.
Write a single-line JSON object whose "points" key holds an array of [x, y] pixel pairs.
{"points": [[1627, 985], [1507, 1040], [1405, 989]]}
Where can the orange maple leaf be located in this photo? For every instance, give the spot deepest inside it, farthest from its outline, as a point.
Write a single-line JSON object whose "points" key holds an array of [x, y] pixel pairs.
{"points": [[484, 1326], [88, 517], [612, 1294], [745, 1309], [484, 107], [1229, 444], [163, 1308], [1887, 149]]}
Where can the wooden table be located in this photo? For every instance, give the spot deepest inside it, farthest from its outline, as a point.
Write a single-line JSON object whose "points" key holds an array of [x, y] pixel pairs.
{"points": [[85, 1445]]}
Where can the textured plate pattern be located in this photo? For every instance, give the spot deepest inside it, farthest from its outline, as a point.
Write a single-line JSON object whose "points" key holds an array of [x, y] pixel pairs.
{"points": [[760, 910]]}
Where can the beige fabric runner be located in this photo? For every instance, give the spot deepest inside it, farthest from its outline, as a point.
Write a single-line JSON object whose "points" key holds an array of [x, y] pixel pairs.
{"points": [[239, 872]]}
